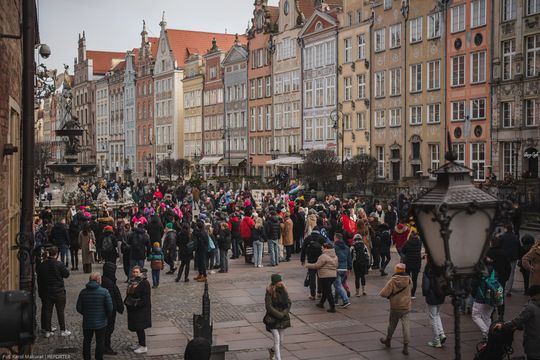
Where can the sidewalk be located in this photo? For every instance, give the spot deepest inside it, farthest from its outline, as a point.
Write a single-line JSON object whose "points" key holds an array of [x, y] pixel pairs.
{"points": [[237, 309]]}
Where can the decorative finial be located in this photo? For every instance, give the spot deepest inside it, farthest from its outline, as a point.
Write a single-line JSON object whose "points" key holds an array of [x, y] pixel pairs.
{"points": [[163, 23], [163, 16], [83, 35], [236, 40], [214, 44]]}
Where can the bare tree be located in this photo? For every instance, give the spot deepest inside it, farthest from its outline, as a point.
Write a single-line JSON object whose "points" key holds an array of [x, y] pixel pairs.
{"points": [[321, 167], [182, 168], [360, 171], [166, 167]]}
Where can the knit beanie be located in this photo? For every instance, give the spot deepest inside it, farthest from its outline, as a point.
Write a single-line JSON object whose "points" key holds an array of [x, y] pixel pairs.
{"points": [[275, 278], [400, 268], [169, 226]]}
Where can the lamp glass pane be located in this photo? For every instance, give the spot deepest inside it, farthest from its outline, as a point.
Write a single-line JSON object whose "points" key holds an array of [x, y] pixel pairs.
{"points": [[432, 237], [468, 237]]}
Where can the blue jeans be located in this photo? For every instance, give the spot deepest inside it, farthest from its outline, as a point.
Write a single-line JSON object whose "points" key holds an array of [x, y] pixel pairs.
{"points": [[258, 252], [64, 254], [338, 285], [155, 277], [133, 263], [273, 249]]}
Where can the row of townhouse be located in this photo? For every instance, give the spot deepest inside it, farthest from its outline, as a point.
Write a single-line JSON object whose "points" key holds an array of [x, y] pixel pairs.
{"points": [[396, 79]]}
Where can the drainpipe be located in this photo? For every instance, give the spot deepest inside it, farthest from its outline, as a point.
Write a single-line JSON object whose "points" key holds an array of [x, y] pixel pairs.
{"points": [[491, 90], [405, 13], [370, 49], [445, 37]]}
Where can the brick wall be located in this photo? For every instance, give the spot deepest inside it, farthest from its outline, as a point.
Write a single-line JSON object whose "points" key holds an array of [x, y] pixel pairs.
{"points": [[10, 87]]}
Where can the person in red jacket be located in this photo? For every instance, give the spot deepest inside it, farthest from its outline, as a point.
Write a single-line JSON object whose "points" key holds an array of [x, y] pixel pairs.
{"points": [[246, 225], [234, 227], [400, 235]]}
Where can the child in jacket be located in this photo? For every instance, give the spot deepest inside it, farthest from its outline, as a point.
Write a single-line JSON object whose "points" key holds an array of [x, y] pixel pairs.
{"points": [[157, 263]]}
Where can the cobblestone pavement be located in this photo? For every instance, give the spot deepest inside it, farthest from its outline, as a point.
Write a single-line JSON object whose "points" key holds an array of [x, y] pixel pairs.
{"points": [[237, 309]]}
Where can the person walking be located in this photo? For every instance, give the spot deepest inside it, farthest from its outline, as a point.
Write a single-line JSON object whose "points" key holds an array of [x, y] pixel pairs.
{"points": [[434, 300], [277, 319], [224, 244], [386, 243], [400, 235], [311, 250], [258, 238], [511, 246], [201, 249], [95, 305], [138, 242], [156, 263], [343, 254], [169, 247], [139, 308], [398, 291], [272, 228], [155, 229], [498, 258], [50, 279], [326, 267], [531, 263], [108, 281], [288, 236], [412, 253], [109, 244], [59, 237], [185, 251], [360, 263]]}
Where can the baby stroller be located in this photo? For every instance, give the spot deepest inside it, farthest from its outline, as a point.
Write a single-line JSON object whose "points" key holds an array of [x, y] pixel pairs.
{"points": [[498, 345]]}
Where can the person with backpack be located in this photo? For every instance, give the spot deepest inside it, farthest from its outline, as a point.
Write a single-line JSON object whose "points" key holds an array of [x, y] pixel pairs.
{"points": [[528, 320], [360, 263], [488, 294], [109, 253], [412, 253], [386, 243], [398, 291], [311, 250], [169, 247], [157, 263], [434, 299], [258, 238], [186, 246], [59, 237]]}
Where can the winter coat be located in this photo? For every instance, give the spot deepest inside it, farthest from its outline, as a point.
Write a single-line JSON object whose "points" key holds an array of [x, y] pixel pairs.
{"points": [[398, 291], [310, 251], [326, 264], [277, 308], [59, 235], [182, 240], [531, 262], [234, 226], [299, 225], [84, 244], [246, 225], [511, 245], [108, 281], [155, 229], [258, 234], [140, 314], [360, 260], [386, 242], [390, 217], [272, 228], [201, 239], [73, 230], [50, 278], [529, 320], [287, 232], [169, 245], [224, 239], [400, 235], [138, 242], [412, 251], [500, 263], [95, 305], [430, 291], [109, 255], [156, 258], [343, 254]]}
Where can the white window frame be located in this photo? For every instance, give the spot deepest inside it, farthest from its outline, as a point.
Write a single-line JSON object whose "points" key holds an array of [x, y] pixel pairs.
{"points": [[347, 87], [416, 30], [434, 156], [508, 54], [434, 113], [478, 67], [509, 10], [380, 161], [379, 121], [531, 112], [478, 162], [415, 115], [415, 78], [395, 117], [508, 158], [361, 46], [458, 107], [507, 118], [478, 13], [395, 36], [347, 50], [457, 18], [361, 121], [378, 39], [478, 108], [434, 75], [361, 80], [458, 70], [434, 25], [533, 7], [380, 84], [533, 54], [395, 81], [459, 151]]}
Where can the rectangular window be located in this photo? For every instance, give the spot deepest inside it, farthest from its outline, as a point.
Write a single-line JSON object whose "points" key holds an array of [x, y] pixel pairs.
{"points": [[253, 120], [415, 115], [478, 13], [395, 117], [379, 119], [361, 79], [459, 153], [416, 78], [458, 70], [347, 85], [361, 46], [434, 75], [330, 91], [435, 156], [308, 94], [347, 45], [458, 110], [434, 114], [478, 161], [395, 36], [380, 161], [360, 121], [478, 109], [478, 67], [509, 52], [395, 81], [319, 92], [508, 158], [260, 119], [434, 25], [268, 87], [259, 88], [506, 115], [387, 4], [319, 129], [268, 117], [458, 18], [530, 112], [308, 133], [509, 10], [533, 54], [379, 40], [379, 84], [416, 30], [347, 123], [533, 7]]}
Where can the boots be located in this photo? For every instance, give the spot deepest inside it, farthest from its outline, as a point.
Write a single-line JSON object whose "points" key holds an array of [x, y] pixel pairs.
{"points": [[405, 350], [196, 278], [201, 279], [385, 341]]}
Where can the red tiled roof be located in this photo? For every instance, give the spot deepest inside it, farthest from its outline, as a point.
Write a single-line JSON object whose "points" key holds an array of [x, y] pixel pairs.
{"points": [[120, 66], [307, 6], [185, 42], [154, 41], [103, 60]]}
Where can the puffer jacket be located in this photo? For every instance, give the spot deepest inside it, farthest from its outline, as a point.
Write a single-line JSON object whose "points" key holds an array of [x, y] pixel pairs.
{"points": [[95, 305], [138, 242], [50, 278], [343, 254], [272, 227], [246, 225], [326, 264], [412, 250], [278, 308], [60, 235], [398, 291]]}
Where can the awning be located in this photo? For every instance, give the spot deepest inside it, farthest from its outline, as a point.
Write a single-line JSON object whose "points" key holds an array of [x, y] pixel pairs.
{"points": [[234, 162], [210, 160], [286, 161]]}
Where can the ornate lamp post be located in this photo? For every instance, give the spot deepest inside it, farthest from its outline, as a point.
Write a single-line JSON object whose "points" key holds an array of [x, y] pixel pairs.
{"points": [[456, 221]]}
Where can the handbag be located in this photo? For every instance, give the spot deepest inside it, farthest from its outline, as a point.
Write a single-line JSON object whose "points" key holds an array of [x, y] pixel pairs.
{"points": [[131, 301], [91, 246]]}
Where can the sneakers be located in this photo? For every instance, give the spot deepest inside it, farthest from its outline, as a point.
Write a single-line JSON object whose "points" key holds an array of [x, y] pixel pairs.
{"points": [[134, 347], [346, 305], [311, 297], [65, 333], [48, 334], [413, 297], [436, 343], [385, 342], [357, 293], [442, 338], [271, 353], [141, 350]]}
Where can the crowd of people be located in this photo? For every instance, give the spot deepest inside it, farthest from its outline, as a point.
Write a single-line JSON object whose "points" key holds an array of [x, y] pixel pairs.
{"points": [[334, 239]]}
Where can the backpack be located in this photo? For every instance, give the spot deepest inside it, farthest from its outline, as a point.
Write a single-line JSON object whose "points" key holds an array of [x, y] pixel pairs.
{"points": [[107, 244], [314, 249], [490, 291], [359, 253]]}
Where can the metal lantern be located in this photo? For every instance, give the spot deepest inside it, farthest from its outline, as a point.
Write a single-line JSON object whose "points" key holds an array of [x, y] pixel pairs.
{"points": [[456, 220]]}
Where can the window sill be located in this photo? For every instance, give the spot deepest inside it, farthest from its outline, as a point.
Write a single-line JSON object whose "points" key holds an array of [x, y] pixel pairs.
{"points": [[415, 92], [478, 82], [434, 37], [434, 123], [395, 47], [395, 126], [457, 31], [434, 89], [395, 95], [379, 127], [415, 42], [478, 26], [378, 51], [417, 124], [380, 97], [457, 86]]}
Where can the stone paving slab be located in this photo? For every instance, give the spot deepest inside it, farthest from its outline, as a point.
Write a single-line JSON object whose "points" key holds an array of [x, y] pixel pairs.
{"points": [[231, 324]]}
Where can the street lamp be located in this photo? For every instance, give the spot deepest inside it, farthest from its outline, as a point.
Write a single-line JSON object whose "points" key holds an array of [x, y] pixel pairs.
{"points": [[456, 221]]}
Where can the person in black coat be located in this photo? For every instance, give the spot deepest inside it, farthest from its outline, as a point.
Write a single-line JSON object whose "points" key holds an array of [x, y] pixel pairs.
{"points": [[412, 252], [109, 245], [108, 281], [434, 299], [59, 237], [224, 242], [386, 243], [74, 230], [299, 226], [201, 249], [182, 239], [311, 250], [497, 257], [139, 245], [512, 248], [169, 247], [155, 229], [139, 307]]}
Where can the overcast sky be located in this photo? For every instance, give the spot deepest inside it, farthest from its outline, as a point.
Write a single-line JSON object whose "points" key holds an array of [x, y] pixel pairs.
{"points": [[115, 25]]}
